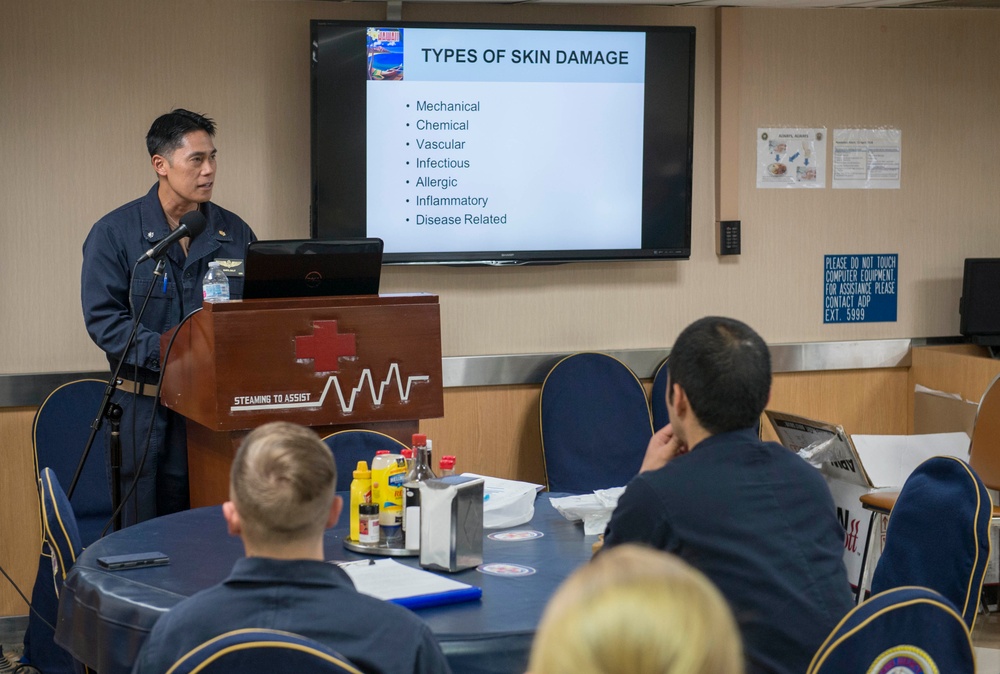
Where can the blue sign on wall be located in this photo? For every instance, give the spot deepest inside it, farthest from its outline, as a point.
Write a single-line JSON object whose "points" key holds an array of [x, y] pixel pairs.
{"points": [[860, 288]]}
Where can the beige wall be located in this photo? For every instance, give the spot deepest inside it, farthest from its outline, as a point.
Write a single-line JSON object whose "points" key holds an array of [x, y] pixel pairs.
{"points": [[80, 82]]}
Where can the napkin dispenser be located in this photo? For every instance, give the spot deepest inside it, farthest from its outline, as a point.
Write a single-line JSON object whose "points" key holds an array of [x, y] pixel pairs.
{"points": [[451, 523]]}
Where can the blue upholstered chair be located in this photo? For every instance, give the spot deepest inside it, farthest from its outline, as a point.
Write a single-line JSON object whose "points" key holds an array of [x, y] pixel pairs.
{"points": [[60, 532], [351, 446], [262, 650], [595, 423], [62, 546], [658, 397], [938, 535], [59, 434], [915, 626]]}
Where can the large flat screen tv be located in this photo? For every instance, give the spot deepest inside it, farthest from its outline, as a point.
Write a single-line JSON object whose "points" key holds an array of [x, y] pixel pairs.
{"points": [[503, 144]]}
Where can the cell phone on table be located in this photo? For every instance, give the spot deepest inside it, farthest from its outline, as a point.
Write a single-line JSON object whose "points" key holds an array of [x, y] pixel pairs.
{"points": [[133, 561]]}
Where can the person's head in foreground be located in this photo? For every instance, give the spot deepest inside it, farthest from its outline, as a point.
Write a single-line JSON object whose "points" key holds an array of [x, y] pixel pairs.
{"points": [[635, 610], [282, 491]]}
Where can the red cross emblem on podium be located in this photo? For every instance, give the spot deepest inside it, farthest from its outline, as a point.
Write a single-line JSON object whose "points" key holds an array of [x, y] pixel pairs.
{"points": [[326, 346]]}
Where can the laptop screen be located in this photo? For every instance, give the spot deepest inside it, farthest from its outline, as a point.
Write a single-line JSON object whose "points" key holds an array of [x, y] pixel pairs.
{"points": [[312, 268]]}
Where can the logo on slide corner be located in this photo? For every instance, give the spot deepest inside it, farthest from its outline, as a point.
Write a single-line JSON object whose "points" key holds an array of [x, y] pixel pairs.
{"points": [[385, 53]]}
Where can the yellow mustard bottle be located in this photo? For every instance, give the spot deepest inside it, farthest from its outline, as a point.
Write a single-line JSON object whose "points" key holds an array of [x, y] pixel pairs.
{"points": [[361, 492]]}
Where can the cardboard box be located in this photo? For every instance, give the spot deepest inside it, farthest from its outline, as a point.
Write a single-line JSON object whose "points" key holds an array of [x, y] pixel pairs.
{"points": [[939, 412], [859, 464]]}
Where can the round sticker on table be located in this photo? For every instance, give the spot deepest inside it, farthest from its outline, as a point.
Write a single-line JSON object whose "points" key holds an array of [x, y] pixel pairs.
{"points": [[523, 535], [502, 569]]}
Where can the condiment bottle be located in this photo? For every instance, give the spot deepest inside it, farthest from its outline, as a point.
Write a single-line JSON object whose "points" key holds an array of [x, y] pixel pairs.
{"points": [[361, 493], [388, 476], [447, 465], [411, 490], [368, 527]]}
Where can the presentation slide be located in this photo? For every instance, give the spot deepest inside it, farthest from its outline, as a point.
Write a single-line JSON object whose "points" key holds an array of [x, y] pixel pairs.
{"points": [[510, 139]]}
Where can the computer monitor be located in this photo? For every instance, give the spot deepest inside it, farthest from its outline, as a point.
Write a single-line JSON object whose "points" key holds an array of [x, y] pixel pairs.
{"points": [[979, 308]]}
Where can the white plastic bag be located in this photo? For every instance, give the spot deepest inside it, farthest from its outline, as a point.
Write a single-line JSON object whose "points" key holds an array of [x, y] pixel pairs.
{"points": [[594, 509], [507, 503]]}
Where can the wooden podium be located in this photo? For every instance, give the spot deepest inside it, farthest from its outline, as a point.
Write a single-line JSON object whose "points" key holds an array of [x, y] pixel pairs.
{"points": [[371, 361]]}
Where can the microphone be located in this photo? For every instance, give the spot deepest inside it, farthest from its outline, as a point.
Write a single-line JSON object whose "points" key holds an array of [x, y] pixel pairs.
{"points": [[192, 224]]}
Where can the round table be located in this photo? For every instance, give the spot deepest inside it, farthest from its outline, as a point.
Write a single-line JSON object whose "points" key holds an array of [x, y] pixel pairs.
{"points": [[105, 616]]}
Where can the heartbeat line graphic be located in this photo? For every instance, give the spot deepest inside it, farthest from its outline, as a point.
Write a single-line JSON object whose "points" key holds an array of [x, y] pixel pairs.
{"points": [[348, 405], [404, 394]]}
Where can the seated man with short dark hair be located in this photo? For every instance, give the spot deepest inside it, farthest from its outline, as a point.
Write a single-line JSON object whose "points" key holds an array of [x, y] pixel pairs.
{"points": [[751, 515], [282, 487]]}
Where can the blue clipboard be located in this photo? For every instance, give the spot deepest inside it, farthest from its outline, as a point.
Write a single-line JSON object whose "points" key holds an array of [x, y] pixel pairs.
{"points": [[470, 593]]}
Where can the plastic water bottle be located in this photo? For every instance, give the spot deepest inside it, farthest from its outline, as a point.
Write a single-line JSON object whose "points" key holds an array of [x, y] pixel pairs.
{"points": [[215, 287]]}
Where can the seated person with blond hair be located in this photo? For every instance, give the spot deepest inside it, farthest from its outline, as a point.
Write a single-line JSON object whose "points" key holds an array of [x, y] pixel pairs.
{"points": [[637, 610], [282, 491]]}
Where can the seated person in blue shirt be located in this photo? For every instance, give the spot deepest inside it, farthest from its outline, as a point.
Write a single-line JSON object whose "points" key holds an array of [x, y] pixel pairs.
{"points": [[751, 515], [282, 489]]}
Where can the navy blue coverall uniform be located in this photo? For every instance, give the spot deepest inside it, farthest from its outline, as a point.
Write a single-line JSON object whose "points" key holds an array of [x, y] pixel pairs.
{"points": [[307, 597], [110, 251]]}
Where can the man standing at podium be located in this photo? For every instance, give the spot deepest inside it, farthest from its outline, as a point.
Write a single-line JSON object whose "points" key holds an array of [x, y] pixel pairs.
{"points": [[114, 287]]}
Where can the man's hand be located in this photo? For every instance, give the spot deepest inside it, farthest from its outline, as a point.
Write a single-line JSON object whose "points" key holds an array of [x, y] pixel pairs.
{"points": [[663, 446]]}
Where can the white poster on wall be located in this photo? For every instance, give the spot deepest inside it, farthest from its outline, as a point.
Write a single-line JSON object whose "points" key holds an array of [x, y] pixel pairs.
{"points": [[791, 158], [866, 159]]}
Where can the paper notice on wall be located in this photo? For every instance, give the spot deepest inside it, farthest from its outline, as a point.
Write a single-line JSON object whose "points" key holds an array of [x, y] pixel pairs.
{"points": [[866, 159], [791, 158]]}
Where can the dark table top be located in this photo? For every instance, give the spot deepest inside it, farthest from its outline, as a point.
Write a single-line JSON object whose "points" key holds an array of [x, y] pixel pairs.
{"points": [[105, 616]]}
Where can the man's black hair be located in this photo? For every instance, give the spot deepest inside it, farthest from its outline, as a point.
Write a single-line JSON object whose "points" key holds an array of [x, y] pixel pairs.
{"points": [[168, 131], [724, 368]]}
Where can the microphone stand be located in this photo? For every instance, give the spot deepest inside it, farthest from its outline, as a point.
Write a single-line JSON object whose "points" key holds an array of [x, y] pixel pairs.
{"points": [[114, 413]]}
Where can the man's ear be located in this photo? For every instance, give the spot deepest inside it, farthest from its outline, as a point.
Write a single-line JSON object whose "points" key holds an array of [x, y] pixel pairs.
{"points": [[232, 518], [680, 401], [335, 509], [160, 164]]}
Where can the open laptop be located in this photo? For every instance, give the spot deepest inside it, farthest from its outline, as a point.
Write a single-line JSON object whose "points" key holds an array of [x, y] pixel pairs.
{"points": [[796, 433], [312, 268]]}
